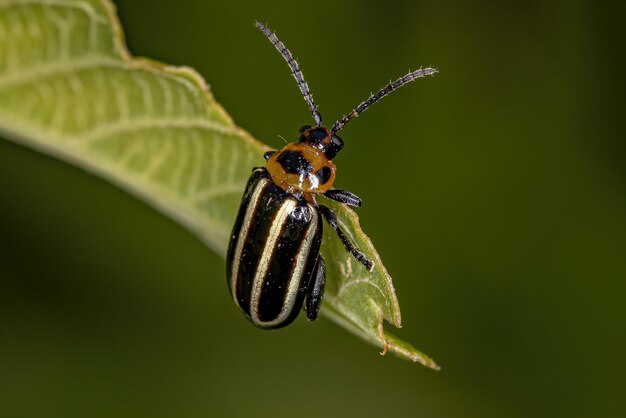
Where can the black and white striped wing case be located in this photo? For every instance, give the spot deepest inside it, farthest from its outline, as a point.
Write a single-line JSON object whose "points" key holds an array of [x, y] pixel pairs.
{"points": [[273, 251]]}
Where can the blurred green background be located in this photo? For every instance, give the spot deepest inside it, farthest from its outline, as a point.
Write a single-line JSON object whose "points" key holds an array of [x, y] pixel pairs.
{"points": [[494, 193]]}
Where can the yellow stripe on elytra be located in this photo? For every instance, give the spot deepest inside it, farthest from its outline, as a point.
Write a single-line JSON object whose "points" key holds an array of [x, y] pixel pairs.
{"points": [[296, 277], [264, 261], [243, 234]]}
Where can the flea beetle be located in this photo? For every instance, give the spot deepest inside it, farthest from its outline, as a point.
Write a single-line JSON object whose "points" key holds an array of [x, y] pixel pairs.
{"points": [[274, 265]]}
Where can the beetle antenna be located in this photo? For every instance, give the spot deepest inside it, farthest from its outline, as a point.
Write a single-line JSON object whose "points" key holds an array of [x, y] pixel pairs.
{"points": [[295, 70], [381, 93]]}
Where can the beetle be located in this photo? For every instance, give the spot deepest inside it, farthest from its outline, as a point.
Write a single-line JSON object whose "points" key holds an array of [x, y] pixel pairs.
{"points": [[274, 265]]}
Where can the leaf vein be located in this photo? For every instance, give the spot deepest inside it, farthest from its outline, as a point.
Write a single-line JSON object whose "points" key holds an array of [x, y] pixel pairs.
{"points": [[214, 192], [84, 7], [123, 127], [158, 159], [366, 281], [55, 68], [196, 173]]}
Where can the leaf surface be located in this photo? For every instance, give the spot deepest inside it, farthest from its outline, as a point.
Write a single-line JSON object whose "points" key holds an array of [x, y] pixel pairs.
{"points": [[70, 89]]}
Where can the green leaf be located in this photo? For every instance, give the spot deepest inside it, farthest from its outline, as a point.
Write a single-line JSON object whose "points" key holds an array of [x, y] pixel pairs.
{"points": [[69, 88], [360, 300]]}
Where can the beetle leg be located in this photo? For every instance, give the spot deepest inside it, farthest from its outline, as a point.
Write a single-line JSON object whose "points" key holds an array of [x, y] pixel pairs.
{"points": [[267, 155], [344, 196], [316, 290], [331, 218]]}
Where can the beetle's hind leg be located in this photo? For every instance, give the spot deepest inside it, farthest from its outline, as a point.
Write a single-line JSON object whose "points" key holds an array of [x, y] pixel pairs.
{"points": [[331, 218], [344, 196], [316, 289]]}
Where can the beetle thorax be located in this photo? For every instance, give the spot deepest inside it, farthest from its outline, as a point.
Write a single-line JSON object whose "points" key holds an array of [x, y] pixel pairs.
{"points": [[301, 168]]}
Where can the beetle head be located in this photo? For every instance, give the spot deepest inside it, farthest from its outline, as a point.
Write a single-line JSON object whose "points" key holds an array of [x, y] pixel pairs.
{"points": [[322, 138]]}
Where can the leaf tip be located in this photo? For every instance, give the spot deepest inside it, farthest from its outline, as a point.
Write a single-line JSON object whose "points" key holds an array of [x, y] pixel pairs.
{"points": [[403, 349]]}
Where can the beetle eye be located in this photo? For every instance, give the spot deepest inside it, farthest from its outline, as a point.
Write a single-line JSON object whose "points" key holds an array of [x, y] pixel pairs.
{"points": [[302, 131], [333, 148]]}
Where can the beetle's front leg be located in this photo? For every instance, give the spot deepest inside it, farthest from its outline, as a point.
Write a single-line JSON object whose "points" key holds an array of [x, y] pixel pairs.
{"points": [[344, 196], [331, 218], [316, 289]]}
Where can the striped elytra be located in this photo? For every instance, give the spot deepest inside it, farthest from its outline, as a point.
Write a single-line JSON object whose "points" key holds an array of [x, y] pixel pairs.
{"points": [[274, 265], [273, 252]]}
